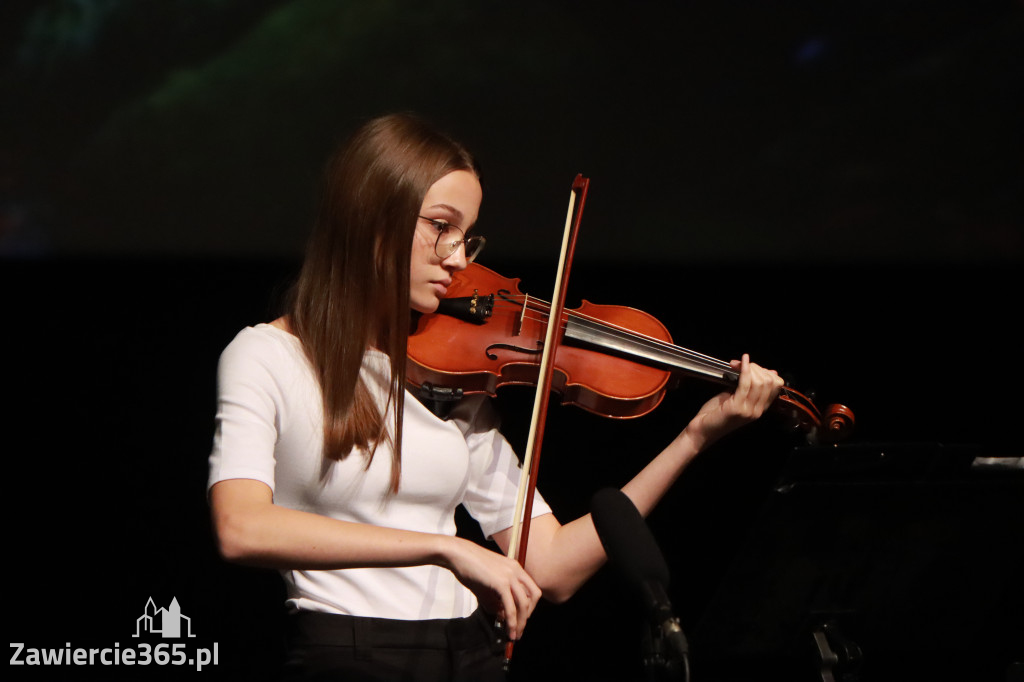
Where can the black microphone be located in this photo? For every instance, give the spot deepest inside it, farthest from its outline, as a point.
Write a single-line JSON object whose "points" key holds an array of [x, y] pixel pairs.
{"points": [[631, 548]]}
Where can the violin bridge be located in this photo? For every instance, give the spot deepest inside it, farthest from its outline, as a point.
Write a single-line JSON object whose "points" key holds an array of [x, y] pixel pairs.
{"points": [[518, 328]]}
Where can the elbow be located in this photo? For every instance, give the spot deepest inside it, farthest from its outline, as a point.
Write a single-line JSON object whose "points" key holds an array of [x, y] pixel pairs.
{"points": [[233, 535], [558, 595], [559, 591], [241, 513]]}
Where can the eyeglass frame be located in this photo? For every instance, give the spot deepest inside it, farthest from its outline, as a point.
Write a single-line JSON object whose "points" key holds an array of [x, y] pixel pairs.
{"points": [[441, 226]]}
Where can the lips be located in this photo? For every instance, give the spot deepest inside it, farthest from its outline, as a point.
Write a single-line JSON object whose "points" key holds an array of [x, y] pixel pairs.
{"points": [[441, 286]]}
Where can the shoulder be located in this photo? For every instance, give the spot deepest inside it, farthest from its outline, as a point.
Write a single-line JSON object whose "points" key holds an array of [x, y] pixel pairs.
{"points": [[262, 338], [261, 345]]}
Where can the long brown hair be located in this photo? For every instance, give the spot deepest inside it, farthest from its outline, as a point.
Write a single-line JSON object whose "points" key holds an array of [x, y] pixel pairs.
{"points": [[352, 292]]}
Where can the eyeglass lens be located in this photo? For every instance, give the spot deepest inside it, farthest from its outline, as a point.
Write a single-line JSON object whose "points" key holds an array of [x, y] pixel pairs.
{"points": [[450, 238]]}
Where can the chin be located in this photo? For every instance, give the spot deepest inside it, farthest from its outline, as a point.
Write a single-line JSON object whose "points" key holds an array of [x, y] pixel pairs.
{"points": [[426, 306]]}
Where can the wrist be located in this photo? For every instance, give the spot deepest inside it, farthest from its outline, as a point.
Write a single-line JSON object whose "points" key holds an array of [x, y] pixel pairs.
{"points": [[446, 551], [692, 440]]}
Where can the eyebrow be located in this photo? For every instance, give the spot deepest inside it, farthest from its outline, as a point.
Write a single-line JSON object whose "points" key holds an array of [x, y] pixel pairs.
{"points": [[457, 216]]}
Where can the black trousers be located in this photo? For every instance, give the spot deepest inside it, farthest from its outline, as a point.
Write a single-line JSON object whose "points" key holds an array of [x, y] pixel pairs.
{"points": [[324, 646]]}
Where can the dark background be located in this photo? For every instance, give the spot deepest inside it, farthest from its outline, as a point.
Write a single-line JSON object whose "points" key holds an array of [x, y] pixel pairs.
{"points": [[833, 187]]}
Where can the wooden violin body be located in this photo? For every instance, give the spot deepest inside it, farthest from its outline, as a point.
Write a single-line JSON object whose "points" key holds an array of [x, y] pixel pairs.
{"points": [[614, 361], [505, 348]]}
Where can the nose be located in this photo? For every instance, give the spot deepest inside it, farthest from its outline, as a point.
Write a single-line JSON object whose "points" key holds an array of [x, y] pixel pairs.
{"points": [[456, 260]]}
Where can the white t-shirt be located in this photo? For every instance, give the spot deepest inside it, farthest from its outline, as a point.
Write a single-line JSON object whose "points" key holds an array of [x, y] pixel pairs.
{"points": [[269, 428]]}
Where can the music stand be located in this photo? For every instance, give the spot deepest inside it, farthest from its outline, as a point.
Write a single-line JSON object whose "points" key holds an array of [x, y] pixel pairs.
{"points": [[873, 562]]}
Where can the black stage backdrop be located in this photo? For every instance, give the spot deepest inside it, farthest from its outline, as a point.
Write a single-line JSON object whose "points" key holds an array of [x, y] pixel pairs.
{"points": [[834, 188], [111, 413]]}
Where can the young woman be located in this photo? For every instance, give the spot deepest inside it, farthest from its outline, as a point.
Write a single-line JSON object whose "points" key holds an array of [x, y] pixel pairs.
{"points": [[324, 468]]}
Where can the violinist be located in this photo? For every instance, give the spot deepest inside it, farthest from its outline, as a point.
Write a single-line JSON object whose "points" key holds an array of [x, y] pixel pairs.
{"points": [[325, 468]]}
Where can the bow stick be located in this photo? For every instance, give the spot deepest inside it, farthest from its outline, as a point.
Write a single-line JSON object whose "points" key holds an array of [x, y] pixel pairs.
{"points": [[531, 457]]}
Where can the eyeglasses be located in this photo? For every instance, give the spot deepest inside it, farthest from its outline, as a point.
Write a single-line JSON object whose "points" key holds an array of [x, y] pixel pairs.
{"points": [[450, 238]]}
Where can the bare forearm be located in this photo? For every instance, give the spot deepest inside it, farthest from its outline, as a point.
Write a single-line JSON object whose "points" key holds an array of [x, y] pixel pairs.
{"points": [[566, 556], [277, 537], [652, 482], [250, 529]]}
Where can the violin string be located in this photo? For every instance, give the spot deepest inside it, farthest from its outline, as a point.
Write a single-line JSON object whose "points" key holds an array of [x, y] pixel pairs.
{"points": [[678, 351], [650, 342], [542, 308], [636, 338]]}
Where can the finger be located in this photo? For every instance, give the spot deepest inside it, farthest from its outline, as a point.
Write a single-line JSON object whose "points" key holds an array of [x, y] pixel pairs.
{"points": [[762, 386], [769, 374], [769, 377], [767, 385], [744, 381], [532, 592], [761, 392], [523, 607], [508, 605]]}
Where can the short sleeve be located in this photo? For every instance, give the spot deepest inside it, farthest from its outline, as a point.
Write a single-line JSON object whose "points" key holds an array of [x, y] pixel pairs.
{"points": [[247, 412], [495, 469]]}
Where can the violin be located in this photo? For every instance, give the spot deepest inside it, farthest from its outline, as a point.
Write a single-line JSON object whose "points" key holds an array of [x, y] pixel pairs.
{"points": [[614, 361]]}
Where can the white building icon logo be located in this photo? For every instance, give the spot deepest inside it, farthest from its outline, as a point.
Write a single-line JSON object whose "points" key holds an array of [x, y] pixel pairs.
{"points": [[167, 622]]}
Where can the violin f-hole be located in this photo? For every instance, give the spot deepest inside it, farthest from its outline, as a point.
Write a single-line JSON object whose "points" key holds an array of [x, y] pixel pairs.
{"points": [[514, 349]]}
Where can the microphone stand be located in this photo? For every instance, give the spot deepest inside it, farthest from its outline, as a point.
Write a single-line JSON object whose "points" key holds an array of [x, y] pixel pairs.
{"points": [[657, 666], [632, 549], [665, 651]]}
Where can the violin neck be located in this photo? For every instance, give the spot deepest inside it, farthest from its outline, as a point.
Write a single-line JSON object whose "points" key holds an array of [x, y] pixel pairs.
{"points": [[647, 351]]}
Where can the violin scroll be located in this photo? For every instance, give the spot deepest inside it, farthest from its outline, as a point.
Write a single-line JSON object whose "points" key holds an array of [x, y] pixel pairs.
{"points": [[832, 425], [837, 422]]}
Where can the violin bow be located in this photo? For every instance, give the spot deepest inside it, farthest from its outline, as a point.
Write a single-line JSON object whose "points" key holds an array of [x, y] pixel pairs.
{"points": [[531, 458]]}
